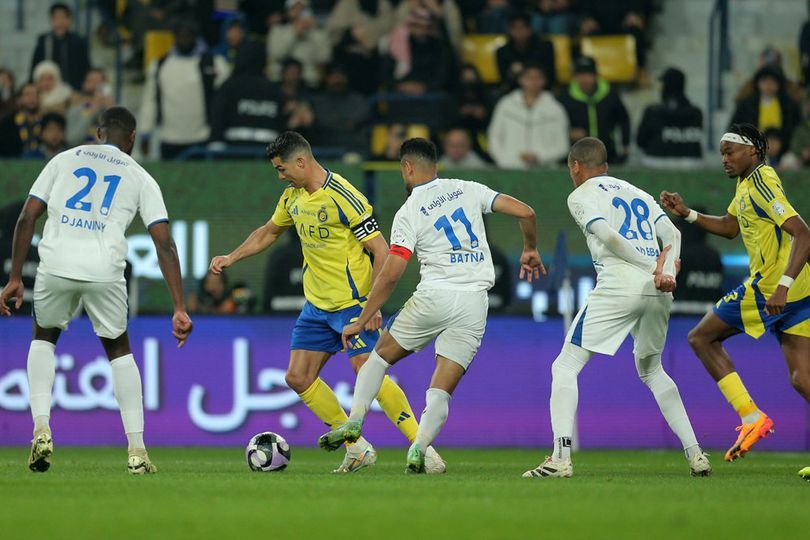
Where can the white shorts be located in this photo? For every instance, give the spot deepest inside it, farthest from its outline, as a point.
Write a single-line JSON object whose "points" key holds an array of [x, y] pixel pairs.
{"points": [[605, 321], [56, 300], [455, 319]]}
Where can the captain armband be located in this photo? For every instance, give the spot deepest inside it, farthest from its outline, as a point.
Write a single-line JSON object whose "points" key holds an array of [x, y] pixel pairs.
{"points": [[366, 228]]}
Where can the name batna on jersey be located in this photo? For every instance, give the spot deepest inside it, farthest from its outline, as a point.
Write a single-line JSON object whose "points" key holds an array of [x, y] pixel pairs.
{"points": [[442, 222], [93, 192]]}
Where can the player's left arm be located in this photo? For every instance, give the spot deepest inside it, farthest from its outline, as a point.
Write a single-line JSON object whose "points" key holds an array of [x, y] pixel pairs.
{"points": [[384, 285], [378, 248], [23, 233], [796, 227], [531, 265]]}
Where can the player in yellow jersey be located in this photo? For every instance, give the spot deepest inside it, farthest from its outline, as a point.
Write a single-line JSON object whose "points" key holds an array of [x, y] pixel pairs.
{"points": [[775, 297], [338, 234]]}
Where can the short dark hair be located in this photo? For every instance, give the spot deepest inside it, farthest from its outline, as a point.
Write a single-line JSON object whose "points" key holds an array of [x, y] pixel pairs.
{"points": [[287, 144], [61, 6], [53, 118], [419, 148], [589, 151], [751, 132], [534, 65], [118, 119], [521, 16]]}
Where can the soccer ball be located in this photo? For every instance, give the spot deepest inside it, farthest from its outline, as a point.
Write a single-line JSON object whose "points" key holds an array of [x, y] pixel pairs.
{"points": [[267, 452]]}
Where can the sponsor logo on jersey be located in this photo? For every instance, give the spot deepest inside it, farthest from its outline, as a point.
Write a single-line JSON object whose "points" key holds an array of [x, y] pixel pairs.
{"points": [[778, 208]]}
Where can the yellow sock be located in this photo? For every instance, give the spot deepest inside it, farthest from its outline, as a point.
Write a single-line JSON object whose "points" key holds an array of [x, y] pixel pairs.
{"points": [[324, 403], [734, 390], [396, 407]]}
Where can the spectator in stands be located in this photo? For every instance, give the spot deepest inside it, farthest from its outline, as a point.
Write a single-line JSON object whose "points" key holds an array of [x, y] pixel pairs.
{"points": [[522, 49], [529, 126], [420, 59], [444, 12], [553, 16], [798, 155], [595, 109], [473, 105], [179, 93], [86, 107], [51, 137], [608, 17], [19, 131], [299, 38], [339, 114], [776, 146], [284, 276], [700, 281], [458, 151], [296, 95], [60, 45], [7, 98], [140, 17], [394, 137], [247, 108], [234, 36], [355, 28], [770, 56], [54, 94], [262, 15], [213, 296], [769, 106], [494, 18], [671, 132]]}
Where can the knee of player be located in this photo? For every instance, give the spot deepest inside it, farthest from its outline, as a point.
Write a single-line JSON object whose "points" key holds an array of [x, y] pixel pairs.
{"points": [[298, 381], [697, 339], [801, 382]]}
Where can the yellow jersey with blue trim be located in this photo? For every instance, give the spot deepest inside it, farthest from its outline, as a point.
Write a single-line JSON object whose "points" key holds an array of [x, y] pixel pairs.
{"points": [[761, 207], [332, 223]]}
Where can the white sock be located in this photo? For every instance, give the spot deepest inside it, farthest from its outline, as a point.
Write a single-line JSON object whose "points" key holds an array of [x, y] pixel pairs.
{"points": [[369, 380], [693, 451], [437, 407], [565, 396], [41, 373], [668, 398], [128, 393]]}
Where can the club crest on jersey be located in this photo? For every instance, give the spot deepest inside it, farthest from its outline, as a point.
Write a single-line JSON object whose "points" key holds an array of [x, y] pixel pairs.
{"points": [[323, 215]]}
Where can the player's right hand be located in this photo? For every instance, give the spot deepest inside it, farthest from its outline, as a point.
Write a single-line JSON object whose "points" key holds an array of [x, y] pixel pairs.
{"points": [[349, 332], [181, 327], [674, 203], [665, 283], [661, 260], [531, 265], [14, 289], [220, 263]]}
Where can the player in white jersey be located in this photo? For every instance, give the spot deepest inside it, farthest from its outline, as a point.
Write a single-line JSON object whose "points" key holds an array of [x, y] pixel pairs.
{"points": [[91, 194], [622, 225], [442, 222]]}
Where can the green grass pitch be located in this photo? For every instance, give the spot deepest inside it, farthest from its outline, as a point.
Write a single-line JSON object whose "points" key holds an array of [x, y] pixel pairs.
{"points": [[210, 493]]}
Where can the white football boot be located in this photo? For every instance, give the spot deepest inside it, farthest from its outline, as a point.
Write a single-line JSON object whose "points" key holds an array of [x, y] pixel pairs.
{"points": [[551, 467], [358, 456], [434, 464], [699, 465], [39, 459], [139, 462]]}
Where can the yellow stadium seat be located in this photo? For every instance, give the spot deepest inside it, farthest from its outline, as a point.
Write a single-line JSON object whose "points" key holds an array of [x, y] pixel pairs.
{"points": [[562, 56], [156, 43], [615, 56], [479, 50], [379, 136]]}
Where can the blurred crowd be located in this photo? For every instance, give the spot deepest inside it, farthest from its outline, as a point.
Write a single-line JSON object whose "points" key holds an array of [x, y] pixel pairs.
{"points": [[357, 77]]}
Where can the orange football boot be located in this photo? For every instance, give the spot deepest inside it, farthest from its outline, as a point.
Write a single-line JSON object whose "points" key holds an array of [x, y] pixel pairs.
{"points": [[750, 434]]}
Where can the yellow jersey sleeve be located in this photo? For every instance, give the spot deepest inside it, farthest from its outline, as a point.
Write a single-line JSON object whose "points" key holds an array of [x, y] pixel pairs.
{"points": [[355, 210], [281, 216], [732, 207], [769, 196]]}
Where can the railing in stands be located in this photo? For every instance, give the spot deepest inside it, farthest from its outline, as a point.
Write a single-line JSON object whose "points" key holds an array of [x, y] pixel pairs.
{"points": [[719, 63]]}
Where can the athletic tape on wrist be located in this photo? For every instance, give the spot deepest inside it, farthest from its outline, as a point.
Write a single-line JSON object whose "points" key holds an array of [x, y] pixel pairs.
{"points": [[692, 217]]}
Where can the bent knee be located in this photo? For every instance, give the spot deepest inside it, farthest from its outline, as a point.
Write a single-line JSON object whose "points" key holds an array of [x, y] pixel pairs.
{"points": [[298, 381], [800, 380], [697, 339]]}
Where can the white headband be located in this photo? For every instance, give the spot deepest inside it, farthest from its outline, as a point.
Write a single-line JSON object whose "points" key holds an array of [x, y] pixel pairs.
{"points": [[735, 138]]}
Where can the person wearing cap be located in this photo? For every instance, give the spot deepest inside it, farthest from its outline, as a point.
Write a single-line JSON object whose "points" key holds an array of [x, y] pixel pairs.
{"points": [[671, 132], [770, 56], [300, 38], [774, 298], [769, 106], [595, 109]]}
